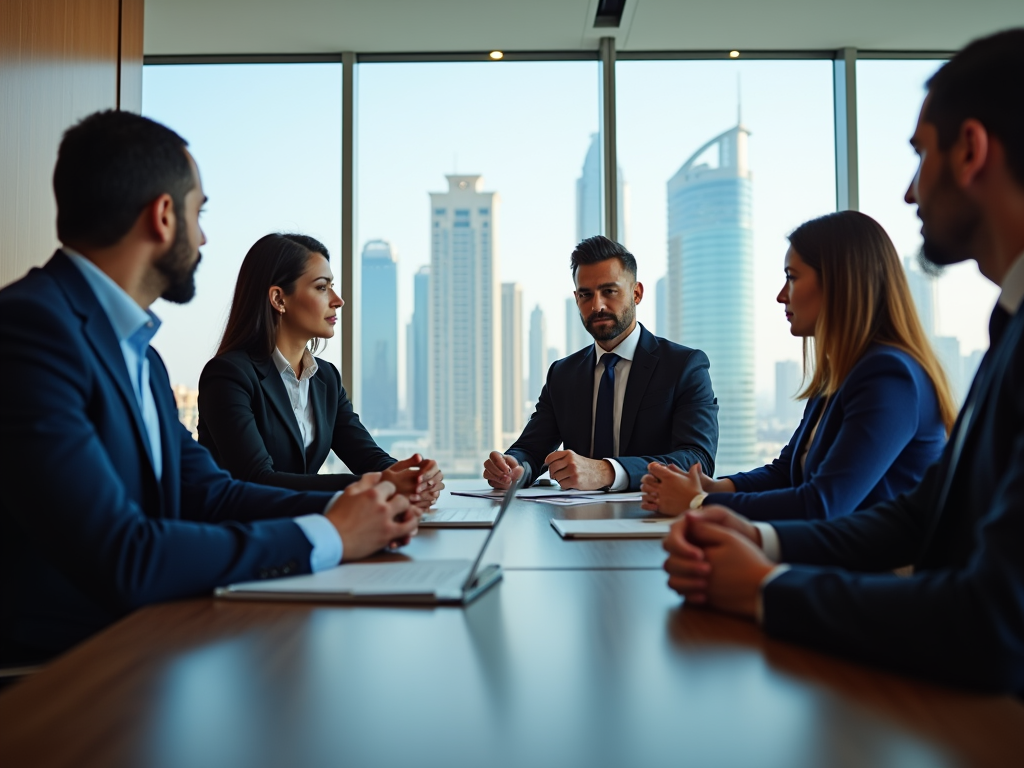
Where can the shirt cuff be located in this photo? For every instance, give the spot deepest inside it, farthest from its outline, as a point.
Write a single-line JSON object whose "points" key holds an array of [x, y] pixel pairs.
{"points": [[770, 544], [621, 481], [773, 574], [327, 545]]}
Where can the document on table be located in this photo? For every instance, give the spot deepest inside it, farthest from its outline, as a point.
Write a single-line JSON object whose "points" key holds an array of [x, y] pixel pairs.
{"points": [[613, 528], [598, 497], [556, 495]]}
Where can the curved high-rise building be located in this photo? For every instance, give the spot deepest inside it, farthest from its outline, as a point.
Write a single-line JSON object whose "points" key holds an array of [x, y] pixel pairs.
{"points": [[710, 291]]}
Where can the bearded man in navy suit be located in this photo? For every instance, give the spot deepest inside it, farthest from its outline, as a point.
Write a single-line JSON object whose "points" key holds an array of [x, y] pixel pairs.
{"points": [[615, 406], [959, 618], [108, 503]]}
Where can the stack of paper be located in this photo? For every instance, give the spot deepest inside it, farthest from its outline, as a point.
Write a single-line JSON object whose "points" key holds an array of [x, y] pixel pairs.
{"points": [[556, 495]]}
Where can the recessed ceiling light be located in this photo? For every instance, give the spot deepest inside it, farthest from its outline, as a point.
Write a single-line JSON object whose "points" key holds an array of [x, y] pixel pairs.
{"points": [[734, 54], [496, 55]]}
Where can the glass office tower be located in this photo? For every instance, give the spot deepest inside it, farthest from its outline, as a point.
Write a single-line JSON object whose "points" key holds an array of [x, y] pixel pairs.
{"points": [[417, 382], [465, 324], [511, 358], [379, 408], [710, 290], [590, 197]]}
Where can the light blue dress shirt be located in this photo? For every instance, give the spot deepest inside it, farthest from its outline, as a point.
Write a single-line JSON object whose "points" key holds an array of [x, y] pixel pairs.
{"points": [[134, 328]]}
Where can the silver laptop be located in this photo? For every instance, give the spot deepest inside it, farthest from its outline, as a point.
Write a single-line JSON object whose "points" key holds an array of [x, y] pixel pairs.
{"points": [[421, 582]]}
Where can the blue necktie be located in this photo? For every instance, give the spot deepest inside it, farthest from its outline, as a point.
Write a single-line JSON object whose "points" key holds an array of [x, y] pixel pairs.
{"points": [[604, 418]]}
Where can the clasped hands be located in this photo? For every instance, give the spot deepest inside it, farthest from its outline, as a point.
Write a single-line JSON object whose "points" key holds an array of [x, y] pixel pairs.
{"points": [[568, 468], [715, 559], [418, 479]]}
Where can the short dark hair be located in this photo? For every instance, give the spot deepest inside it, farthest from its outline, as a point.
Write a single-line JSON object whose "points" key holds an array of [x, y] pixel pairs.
{"points": [[278, 259], [983, 81], [599, 248], [110, 166]]}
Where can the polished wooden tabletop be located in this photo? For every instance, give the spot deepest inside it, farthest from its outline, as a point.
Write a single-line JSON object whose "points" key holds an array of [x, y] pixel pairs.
{"points": [[548, 668], [580, 656]]}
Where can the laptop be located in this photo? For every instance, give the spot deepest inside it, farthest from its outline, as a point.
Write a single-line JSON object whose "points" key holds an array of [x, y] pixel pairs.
{"points": [[418, 582]]}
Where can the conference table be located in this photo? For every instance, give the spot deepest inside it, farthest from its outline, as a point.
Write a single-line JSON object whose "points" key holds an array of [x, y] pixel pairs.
{"points": [[579, 656]]}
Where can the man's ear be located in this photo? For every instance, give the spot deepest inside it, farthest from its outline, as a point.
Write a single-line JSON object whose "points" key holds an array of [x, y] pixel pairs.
{"points": [[161, 219], [638, 292], [971, 153]]}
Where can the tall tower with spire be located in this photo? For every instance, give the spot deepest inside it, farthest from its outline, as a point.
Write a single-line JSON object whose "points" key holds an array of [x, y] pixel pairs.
{"points": [[710, 287]]}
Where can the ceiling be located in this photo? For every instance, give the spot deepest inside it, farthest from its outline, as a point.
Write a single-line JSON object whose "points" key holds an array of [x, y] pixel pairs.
{"points": [[405, 26]]}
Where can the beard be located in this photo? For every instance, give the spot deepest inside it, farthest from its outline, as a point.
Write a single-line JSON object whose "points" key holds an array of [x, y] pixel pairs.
{"points": [[622, 322], [957, 216], [176, 265]]}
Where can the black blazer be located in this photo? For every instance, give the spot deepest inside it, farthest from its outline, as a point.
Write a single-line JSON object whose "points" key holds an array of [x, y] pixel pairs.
{"points": [[246, 421], [669, 413], [79, 552], [960, 618]]}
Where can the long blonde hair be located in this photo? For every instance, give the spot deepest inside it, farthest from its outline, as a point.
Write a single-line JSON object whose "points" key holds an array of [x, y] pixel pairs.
{"points": [[865, 300]]}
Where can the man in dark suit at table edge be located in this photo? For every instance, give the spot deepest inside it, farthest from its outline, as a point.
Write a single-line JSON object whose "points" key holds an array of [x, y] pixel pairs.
{"points": [[959, 618], [615, 406], [108, 503]]}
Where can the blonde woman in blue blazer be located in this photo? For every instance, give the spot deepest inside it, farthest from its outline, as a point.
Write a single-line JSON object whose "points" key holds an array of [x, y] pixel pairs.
{"points": [[878, 405]]}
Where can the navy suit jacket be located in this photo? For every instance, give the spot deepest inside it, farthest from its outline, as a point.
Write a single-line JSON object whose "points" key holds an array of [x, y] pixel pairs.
{"points": [[87, 532], [247, 423], [960, 618], [879, 433], [669, 412]]}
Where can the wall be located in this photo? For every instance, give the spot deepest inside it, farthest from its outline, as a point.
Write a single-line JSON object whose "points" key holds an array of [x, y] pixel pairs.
{"points": [[59, 61]]}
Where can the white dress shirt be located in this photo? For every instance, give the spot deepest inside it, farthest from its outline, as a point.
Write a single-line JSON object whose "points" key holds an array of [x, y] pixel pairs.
{"points": [[298, 392], [625, 350], [1011, 296]]}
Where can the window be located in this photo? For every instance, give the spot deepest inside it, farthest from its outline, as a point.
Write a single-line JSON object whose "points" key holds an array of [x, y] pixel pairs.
{"points": [[721, 160], [264, 170], [481, 190], [955, 307]]}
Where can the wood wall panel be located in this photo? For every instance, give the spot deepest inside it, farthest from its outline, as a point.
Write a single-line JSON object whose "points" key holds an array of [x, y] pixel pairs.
{"points": [[130, 81], [58, 62]]}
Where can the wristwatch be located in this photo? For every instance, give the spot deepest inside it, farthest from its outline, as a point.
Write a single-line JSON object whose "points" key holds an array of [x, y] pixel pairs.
{"points": [[698, 501]]}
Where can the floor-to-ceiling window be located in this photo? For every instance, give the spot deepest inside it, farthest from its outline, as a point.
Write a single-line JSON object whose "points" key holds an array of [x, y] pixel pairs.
{"points": [[266, 140], [474, 182], [954, 306], [722, 159]]}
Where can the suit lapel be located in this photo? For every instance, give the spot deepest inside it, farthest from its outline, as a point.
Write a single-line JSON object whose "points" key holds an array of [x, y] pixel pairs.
{"points": [[324, 428], [965, 431], [101, 337], [275, 392], [167, 411], [579, 420], [640, 372]]}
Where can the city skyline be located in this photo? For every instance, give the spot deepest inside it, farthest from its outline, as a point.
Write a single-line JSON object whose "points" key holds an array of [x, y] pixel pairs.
{"points": [[548, 113]]}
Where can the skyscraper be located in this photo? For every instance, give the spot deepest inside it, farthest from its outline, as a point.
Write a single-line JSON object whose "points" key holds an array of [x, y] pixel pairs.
{"points": [[465, 314], [710, 291], [417, 350], [590, 196], [576, 336], [538, 353], [511, 358], [922, 288], [660, 307], [379, 408]]}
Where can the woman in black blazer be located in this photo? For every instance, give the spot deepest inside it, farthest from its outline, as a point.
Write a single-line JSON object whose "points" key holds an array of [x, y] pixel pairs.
{"points": [[269, 411]]}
